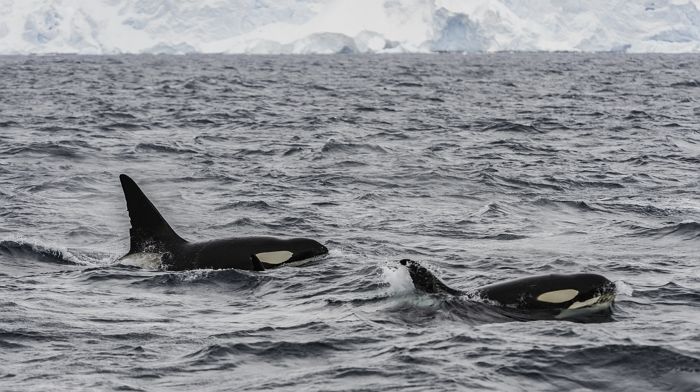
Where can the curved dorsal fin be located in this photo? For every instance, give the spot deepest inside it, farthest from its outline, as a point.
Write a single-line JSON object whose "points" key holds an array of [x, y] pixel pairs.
{"points": [[149, 231], [424, 280]]}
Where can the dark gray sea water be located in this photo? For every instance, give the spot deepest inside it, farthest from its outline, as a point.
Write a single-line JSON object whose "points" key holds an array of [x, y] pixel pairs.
{"points": [[483, 167]]}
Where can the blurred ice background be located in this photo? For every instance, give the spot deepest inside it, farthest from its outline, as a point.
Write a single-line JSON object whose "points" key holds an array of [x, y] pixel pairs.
{"points": [[346, 26]]}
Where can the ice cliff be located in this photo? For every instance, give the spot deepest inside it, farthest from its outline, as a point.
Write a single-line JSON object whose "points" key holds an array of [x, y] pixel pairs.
{"points": [[346, 26]]}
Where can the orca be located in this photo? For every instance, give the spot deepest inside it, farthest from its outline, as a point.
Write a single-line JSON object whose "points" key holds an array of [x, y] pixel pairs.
{"points": [[555, 295], [150, 233]]}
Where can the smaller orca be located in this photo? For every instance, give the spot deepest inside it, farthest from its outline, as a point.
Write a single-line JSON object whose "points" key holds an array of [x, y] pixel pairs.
{"points": [[150, 233], [558, 296]]}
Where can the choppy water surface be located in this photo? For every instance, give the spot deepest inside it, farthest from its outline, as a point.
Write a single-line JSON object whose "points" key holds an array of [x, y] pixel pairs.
{"points": [[484, 167]]}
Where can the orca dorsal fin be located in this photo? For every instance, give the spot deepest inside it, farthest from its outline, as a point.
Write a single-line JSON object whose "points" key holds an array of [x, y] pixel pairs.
{"points": [[425, 280], [149, 230]]}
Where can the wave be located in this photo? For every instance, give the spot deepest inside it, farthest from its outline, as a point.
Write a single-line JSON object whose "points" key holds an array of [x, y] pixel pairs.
{"points": [[316, 326], [60, 149], [7, 345], [639, 114], [201, 121], [115, 114], [505, 237], [427, 309], [51, 254], [154, 147], [351, 164], [576, 183], [201, 139], [492, 209], [373, 197], [334, 146], [293, 151], [230, 278], [238, 223], [118, 272], [225, 355], [642, 209], [507, 126], [644, 367], [373, 109], [408, 84], [684, 230], [25, 334], [523, 147], [671, 293], [25, 250], [687, 83], [515, 182], [570, 204], [247, 204], [124, 126]]}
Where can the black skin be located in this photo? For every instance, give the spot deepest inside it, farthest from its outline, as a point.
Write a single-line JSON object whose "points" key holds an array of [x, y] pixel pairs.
{"points": [[424, 280], [519, 293], [151, 233], [238, 253]]}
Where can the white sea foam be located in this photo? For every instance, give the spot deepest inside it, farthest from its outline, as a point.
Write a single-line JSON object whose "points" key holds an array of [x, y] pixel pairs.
{"points": [[398, 278], [346, 26], [623, 288], [150, 261]]}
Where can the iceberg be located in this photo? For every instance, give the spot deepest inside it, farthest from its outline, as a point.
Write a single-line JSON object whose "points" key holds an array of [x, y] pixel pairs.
{"points": [[346, 26]]}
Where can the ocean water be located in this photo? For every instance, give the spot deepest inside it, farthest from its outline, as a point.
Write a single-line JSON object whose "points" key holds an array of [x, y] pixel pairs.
{"points": [[483, 167]]}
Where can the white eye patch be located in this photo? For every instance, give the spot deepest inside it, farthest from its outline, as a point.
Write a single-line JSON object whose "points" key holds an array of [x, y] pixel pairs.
{"points": [[558, 296], [277, 257]]}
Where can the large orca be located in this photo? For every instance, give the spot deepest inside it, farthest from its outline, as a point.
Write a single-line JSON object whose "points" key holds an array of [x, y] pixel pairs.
{"points": [[558, 296], [150, 233]]}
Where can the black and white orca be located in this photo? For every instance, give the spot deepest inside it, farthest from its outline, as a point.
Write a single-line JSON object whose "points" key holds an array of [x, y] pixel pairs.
{"points": [[150, 233], [558, 296]]}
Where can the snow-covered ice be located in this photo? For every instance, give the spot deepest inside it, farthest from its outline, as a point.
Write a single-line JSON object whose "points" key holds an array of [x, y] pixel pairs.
{"points": [[346, 26]]}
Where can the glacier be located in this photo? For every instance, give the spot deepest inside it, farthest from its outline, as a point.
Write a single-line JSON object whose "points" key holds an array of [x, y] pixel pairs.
{"points": [[346, 26]]}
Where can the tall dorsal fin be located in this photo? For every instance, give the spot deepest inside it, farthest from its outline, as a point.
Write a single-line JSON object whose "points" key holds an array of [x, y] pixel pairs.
{"points": [[149, 231]]}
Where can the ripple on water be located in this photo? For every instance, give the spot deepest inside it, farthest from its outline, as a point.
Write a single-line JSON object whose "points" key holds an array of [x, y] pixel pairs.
{"points": [[488, 166]]}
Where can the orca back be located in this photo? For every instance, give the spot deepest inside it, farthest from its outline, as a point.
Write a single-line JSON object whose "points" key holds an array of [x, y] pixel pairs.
{"points": [[553, 291], [149, 231]]}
